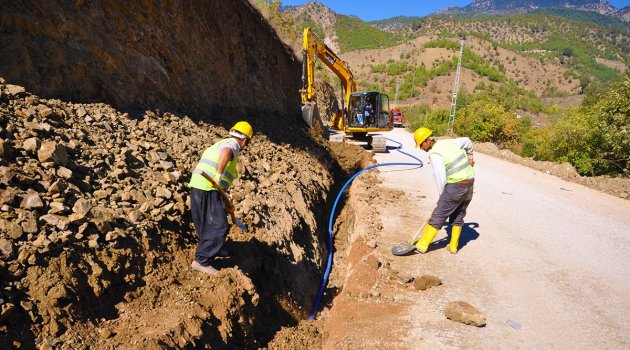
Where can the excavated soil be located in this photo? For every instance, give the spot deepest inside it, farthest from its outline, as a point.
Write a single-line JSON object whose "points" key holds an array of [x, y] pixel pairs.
{"points": [[97, 241], [104, 111], [103, 114]]}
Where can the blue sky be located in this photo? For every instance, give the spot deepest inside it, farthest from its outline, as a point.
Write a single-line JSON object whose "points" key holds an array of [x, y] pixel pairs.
{"points": [[369, 10]]}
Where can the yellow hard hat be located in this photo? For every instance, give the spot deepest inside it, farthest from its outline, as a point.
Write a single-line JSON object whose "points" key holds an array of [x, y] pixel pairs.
{"points": [[243, 128], [420, 135]]}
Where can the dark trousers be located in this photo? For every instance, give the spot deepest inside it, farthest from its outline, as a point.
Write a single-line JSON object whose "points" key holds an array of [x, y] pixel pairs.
{"points": [[452, 205], [210, 219]]}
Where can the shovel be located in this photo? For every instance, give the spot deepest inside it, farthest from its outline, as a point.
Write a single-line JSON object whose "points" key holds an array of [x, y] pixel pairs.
{"points": [[407, 247], [228, 203]]}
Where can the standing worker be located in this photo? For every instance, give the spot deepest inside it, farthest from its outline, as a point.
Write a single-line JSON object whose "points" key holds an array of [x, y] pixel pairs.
{"points": [[452, 161], [209, 211]]}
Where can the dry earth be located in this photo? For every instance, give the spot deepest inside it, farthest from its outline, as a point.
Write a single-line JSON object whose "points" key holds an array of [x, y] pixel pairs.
{"points": [[532, 261], [95, 240]]}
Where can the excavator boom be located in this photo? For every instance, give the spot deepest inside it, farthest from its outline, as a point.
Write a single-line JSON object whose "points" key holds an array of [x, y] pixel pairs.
{"points": [[311, 48], [361, 112]]}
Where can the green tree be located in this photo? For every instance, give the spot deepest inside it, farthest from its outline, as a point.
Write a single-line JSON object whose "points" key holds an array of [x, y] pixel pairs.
{"points": [[613, 114], [486, 121], [571, 138]]}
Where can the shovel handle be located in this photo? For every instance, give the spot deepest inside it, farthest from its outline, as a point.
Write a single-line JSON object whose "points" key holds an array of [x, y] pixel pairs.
{"points": [[226, 198], [418, 233]]}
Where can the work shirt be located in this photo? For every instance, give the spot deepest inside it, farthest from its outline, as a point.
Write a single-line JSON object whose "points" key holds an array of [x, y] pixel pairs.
{"points": [[439, 167]]}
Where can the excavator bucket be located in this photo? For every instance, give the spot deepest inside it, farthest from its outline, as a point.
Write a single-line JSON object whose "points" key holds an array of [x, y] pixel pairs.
{"points": [[309, 113]]}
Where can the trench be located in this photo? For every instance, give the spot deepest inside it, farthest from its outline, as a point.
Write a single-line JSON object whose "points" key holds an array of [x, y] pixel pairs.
{"points": [[133, 288]]}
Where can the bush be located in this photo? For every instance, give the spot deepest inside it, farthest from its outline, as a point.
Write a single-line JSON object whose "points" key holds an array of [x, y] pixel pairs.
{"points": [[486, 121], [594, 138], [613, 115], [423, 116], [571, 138], [445, 43]]}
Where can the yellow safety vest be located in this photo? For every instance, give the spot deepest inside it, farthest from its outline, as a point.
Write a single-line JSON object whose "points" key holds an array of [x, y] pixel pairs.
{"points": [[208, 164], [455, 160]]}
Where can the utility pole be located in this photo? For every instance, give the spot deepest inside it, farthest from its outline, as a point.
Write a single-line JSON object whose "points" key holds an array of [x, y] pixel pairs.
{"points": [[451, 116], [396, 96]]}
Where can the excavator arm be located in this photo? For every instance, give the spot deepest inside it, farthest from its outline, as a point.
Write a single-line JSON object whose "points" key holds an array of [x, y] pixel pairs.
{"points": [[361, 112], [311, 49]]}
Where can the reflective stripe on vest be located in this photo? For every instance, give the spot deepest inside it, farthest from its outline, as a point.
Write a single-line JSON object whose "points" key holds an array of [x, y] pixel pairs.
{"points": [[455, 160], [208, 164]]}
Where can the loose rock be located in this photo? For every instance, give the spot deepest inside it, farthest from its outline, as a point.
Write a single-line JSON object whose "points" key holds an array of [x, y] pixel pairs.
{"points": [[461, 311]]}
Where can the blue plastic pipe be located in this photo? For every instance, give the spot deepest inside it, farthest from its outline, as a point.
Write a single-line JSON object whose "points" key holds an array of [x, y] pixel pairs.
{"points": [[331, 221]]}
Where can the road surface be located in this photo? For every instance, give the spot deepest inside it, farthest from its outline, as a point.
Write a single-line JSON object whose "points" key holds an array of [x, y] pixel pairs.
{"points": [[545, 260]]}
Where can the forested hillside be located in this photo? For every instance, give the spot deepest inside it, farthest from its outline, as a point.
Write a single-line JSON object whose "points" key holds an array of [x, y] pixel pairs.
{"points": [[520, 73]]}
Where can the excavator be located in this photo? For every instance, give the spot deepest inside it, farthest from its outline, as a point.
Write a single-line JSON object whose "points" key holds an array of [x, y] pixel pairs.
{"points": [[361, 112]]}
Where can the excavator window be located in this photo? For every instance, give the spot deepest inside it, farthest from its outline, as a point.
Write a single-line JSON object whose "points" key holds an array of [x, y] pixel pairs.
{"points": [[369, 110]]}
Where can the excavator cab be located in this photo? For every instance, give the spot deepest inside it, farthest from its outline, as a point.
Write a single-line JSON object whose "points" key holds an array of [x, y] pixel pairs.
{"points": [[367, 112], [361, 112]]}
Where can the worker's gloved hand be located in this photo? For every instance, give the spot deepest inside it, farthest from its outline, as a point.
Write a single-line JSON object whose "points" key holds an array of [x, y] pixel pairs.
{"points": [[217, 180], [471, 160], [229, 208]]}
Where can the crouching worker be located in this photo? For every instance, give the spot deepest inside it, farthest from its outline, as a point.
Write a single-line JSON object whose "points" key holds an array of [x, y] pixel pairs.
{"points": [[208, 210], [452, 161]]}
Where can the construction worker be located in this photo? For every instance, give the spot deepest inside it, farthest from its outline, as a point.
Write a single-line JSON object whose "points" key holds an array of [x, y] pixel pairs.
{"points": [[452, 161], [209, 212], [369, 116]]}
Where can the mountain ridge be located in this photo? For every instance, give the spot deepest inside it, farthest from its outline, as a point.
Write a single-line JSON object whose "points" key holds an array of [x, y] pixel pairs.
{"points": [[512, 7]]}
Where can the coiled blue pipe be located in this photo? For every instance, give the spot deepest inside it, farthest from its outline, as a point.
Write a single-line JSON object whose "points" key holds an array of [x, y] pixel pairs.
{"points": [[331, 221]]}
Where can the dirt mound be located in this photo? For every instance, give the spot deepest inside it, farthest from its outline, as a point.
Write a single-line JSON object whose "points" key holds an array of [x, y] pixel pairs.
{"points": [[96, 239], [95, 236]]}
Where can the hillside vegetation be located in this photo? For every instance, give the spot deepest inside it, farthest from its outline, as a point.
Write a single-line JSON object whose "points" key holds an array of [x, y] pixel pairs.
{"points": [[573, 44], [594, 137], [509, 64], [355, 34]]}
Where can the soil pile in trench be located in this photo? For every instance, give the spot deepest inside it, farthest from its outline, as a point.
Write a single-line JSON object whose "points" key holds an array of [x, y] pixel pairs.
{"points": [[96, 239], [95, 236]]}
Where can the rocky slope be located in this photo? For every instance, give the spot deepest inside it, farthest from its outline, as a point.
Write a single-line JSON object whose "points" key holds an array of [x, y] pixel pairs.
{"points": [[314, 13], [212, 59], [95, 235]]}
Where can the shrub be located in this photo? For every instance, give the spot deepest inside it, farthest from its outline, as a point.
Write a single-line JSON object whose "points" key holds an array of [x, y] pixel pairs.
{"points": [[486, 121], [613, 115], [423, 116], [572, 138]]}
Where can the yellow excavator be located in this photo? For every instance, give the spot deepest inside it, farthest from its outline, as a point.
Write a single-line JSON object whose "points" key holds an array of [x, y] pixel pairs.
{"points": [[361, 112]]}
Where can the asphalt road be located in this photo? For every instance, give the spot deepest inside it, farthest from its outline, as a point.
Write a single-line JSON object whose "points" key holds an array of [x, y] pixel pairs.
{"points": [[545, 260]]}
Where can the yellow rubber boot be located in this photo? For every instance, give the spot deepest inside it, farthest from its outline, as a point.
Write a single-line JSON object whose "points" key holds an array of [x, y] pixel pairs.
{"points": [[455, 232], [427, 236]]}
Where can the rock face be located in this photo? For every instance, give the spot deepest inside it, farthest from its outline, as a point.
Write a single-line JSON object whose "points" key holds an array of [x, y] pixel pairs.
{"points": [[95, 233], [623, 13], [216, 59], [325, 18]]}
